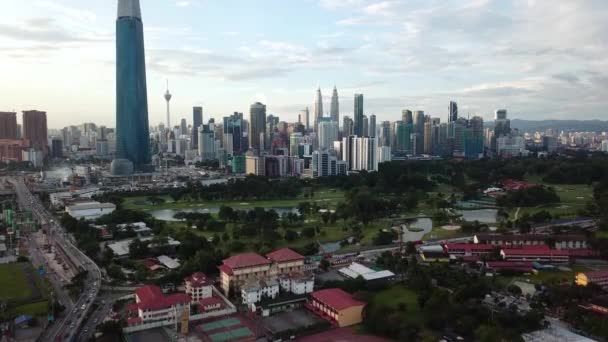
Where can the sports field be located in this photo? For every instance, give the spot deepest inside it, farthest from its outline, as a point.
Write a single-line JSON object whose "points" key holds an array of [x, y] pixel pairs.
{"points": [[13, 282]]}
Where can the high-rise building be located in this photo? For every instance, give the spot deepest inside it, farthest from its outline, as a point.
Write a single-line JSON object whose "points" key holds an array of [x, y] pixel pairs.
{"points": [[428, 142], [183, 127], [318, 107], [419, 120], [403, 137], [474, 139], [35, 130], [407, 116], [257, 126], [452, 111], [132, 128], [385, 134], [294, 143], [325, 163], [358, 113], [365, 130], [334, 113], [348, 127], [233, 127], [328, 133], [206, 147], [305, 118], [57, 147], [371, 130], [168, 97], [8, 125], [502, 126], [197, 121]]}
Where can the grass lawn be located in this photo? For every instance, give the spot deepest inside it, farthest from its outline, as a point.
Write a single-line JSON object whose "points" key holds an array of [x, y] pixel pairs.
{"points": [[601, 235], [544, 277], [573, 197], [13, 284], [399, 294], [325, 197], [439, 233], [33, 309]]}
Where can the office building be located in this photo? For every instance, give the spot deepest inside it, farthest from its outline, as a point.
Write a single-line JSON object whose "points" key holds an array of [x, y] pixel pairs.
{"points": [[8, 125], [254, 165], [407, 116], [384, 154], [365, 130], [348, 126], [428, 141], [57, 147], [403, 137], [511, 146], [276, 166], [294, 143], [35, 130], [326, 163], [358, 113], [452, 111], [371, 130], [197, 121], [132, 128], [304, 118], [328, 133], [257, 126], [206, 147], [233, 127], [334, 113], [384, 139], [318, 108]]}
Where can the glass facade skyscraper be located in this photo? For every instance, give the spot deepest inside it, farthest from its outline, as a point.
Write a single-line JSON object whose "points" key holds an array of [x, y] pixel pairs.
{"points": [[132, 129]]}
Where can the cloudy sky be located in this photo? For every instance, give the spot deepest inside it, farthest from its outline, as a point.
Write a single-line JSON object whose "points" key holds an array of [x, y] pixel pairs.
{"points": [[537, 58]]}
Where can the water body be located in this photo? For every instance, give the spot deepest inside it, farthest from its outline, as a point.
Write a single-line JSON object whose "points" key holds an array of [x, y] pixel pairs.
{"points": [[167, 214], [425, 223], [481, 215]]}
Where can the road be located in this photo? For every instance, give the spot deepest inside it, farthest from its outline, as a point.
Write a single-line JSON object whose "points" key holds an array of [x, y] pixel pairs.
{"points": [[67, 327]]}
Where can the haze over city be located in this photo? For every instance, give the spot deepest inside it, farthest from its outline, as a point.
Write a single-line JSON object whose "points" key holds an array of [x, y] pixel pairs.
{"points": [[539, 59]]}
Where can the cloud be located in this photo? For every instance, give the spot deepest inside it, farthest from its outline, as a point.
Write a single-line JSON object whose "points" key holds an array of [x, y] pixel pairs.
{"points": [[44, 30]]}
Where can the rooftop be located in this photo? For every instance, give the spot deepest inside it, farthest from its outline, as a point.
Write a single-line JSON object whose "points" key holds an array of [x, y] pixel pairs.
{"points": [[152, 298], [91, 205], [245, 260], [198, 279], [284, 255], [336, 298]]}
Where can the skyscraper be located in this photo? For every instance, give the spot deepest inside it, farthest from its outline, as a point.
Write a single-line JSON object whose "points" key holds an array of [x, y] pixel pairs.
{"points": [[407, 116], [197, 121], [233, 126], [183, 127], [168, 97], [371, 130], [132, 129], [452, 112], [365, 131], [305, 118], [318, 108], [335, 107], [358, 129], [328, 133], [347, 126], [257, 126], [419, 120], [35, 129], [385, 134], [8, 125]]}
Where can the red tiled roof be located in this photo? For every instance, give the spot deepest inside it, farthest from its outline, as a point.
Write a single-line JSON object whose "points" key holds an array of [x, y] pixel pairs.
{"points": [[535, 250], [284, 255], [152, 298], [337, 299], [468, 247], [198, 279], [531, 237], [245, 260], [210, 301], [225, 269]]}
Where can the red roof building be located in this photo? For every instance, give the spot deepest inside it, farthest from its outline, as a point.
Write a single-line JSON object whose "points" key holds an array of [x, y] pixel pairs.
{"points": [[239, 269], [599, 278], [337, 306], [535, 253], [562, 241], [459, 250], [153, 305], [198, 286], [512, 266]]}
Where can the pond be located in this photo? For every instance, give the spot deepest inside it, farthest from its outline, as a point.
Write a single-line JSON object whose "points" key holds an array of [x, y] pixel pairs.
{"points": [[481, 215], [419, 227], [167, 214]]}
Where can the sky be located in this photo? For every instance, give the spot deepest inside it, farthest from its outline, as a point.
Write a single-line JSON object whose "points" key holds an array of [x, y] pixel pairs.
{"points": [[539, 59]]}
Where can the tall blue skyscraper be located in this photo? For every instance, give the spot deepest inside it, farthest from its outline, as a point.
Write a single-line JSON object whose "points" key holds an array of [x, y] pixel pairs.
{"points": [[358, 115], [132, 130], [197, 121]]}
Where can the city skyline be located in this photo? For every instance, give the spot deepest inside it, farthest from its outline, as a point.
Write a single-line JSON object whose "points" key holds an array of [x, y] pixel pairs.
{"points": [[398, 54]]}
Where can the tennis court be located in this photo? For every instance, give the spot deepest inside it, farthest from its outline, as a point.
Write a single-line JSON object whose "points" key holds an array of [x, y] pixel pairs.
{"points": [[224, 323], [231, 335]]}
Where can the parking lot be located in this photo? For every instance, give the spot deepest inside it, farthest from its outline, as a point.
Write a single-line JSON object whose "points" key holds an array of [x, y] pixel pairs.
{"points": [[295, 320]]}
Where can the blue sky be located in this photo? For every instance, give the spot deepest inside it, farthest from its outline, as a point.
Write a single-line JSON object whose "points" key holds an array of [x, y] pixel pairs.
{"points": [[539, 59]]}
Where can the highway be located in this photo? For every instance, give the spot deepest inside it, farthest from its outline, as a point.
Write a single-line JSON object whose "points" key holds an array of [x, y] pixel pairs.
{"points": [[68, 327]]}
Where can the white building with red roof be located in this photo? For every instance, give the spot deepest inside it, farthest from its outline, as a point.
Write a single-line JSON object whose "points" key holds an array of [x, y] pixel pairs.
{"points": [[198, 286], [152, 305], [242, 268]]}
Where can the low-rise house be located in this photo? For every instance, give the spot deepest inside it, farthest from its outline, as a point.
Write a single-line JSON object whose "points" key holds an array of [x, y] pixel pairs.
{"points": [[337, 306]]}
